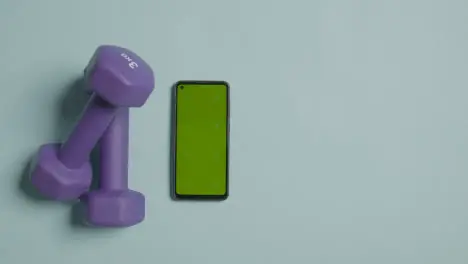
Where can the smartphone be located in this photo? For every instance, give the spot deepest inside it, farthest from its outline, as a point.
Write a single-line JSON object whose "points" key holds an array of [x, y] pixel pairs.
{"points": [[201, 140]]}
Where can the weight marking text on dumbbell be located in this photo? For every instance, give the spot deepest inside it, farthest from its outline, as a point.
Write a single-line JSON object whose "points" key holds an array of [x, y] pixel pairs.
{"points": [[131, 64]]}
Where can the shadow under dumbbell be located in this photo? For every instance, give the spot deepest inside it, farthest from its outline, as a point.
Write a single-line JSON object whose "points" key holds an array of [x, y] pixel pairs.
{"points": [[77, 214], [71, 104], [25, 185]]}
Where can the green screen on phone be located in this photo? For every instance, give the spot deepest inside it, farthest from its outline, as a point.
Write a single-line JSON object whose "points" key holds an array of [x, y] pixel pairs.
{"points": [[201, 139]]}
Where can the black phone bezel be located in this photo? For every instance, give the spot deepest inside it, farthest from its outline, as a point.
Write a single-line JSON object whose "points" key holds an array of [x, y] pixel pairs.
{"points": [[173, 176]]}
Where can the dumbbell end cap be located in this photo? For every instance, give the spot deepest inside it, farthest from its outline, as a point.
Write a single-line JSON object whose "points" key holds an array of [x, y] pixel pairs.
{"points": [[54, 180], [119, 76], [113, 208]]}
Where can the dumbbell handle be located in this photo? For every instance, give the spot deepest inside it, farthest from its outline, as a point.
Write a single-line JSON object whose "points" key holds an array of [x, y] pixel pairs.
{"points": [[95, 119], [114, 153]]}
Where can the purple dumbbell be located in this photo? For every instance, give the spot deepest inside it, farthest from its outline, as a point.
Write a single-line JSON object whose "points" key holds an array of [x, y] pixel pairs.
{"points": [[119, 79], [113, 204]]}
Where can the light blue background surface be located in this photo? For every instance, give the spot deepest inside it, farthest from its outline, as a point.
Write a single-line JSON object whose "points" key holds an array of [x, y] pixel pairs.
{"points": [[349, 129]]}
